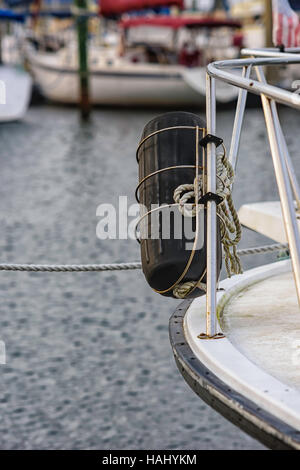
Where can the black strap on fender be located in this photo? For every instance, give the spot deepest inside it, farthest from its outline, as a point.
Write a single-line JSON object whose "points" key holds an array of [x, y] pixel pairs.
{"points": [[210, 197], [208, 139], [211, 139]]}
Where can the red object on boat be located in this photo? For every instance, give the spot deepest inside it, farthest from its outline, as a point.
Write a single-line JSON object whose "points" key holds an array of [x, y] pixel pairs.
{"points": [[116, 7], [238, 39], [286, 25], [176, 22], [189, 56]]}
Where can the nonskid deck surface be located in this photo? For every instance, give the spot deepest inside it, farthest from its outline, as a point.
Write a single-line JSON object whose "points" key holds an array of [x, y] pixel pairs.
{"points": [[265, 218], [263, 323], [257, 360]]}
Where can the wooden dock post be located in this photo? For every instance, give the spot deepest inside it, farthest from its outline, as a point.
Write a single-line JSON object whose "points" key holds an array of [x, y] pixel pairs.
{"points": [[82, 35], [268, 23], [271, 72]]}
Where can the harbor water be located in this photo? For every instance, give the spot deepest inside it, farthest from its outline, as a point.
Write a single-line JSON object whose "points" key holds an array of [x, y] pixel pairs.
{"points": [[88, 359]]}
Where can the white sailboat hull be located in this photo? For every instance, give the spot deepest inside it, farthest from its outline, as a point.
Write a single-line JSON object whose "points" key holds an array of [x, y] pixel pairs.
{"points": [[18, 85], [126, 84]]}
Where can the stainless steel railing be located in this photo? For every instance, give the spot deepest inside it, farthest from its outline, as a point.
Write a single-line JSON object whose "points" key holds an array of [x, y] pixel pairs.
{"points": [[285, 176]]}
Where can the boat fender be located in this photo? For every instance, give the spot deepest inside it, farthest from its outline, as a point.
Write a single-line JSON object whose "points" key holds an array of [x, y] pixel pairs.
{"points": [[172, 226]]}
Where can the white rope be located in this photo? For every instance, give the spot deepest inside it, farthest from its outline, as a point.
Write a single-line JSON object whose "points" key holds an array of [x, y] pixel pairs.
{"points": [[66, 268], [182, 290], [231, 231], [257, 250]]}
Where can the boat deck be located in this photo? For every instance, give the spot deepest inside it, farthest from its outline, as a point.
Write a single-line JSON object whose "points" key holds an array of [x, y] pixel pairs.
{"points": [[251, 375], [265, 218], [263, 323]]}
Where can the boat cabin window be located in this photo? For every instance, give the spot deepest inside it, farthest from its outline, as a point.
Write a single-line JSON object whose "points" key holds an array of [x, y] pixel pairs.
{"points": [[190, 47]]}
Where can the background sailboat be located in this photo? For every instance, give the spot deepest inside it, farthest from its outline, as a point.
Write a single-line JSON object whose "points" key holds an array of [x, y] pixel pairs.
{"points": [[117, 7], [153, 60], [16, 80]]}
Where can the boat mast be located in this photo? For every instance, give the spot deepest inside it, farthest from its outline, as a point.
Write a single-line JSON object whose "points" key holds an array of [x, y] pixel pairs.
{"points": [[82, 36], [268, 23], [271, 72]]}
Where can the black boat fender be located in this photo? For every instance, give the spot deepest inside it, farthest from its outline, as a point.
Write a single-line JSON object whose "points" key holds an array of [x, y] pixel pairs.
{"points": [[173, 231]]}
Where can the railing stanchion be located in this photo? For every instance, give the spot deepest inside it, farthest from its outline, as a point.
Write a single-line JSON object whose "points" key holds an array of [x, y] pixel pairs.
{"points": [[285, 150], [211, 276], [238, 121], [285, 191]]}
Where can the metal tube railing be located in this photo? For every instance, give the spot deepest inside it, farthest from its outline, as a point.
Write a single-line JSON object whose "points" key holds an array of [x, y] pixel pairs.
{"points": [[211, 275], [285, 192], [294, 183], [238, 121], [282, 164], [219, 70], [271, 52]]}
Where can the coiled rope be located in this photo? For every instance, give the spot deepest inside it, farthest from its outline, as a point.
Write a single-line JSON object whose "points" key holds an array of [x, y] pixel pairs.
{"points": [[69, 268], [231, 230]]}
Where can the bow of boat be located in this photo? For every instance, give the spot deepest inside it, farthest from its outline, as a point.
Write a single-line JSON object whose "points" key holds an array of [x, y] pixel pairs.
{"points": [[250, 375]]}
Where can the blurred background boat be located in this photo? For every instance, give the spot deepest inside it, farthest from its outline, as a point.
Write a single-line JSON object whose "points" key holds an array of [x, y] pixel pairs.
{"points": [[152, 60], [149, 52], [16, 83], [93, 368]]}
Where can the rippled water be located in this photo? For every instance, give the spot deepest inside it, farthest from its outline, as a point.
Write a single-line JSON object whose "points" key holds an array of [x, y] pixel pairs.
{"points": [[89, 363]]}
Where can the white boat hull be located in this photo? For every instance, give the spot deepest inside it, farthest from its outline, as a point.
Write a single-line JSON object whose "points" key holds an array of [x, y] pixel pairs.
{"points": [[18, 86], [131, 84]]}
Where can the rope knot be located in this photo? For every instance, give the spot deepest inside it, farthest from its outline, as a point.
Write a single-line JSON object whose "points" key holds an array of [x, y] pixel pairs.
{"points": [[231, 230]]}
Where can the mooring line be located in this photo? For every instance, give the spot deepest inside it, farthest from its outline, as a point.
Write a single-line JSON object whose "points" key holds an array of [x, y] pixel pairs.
{"points": [[69, 268]]}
